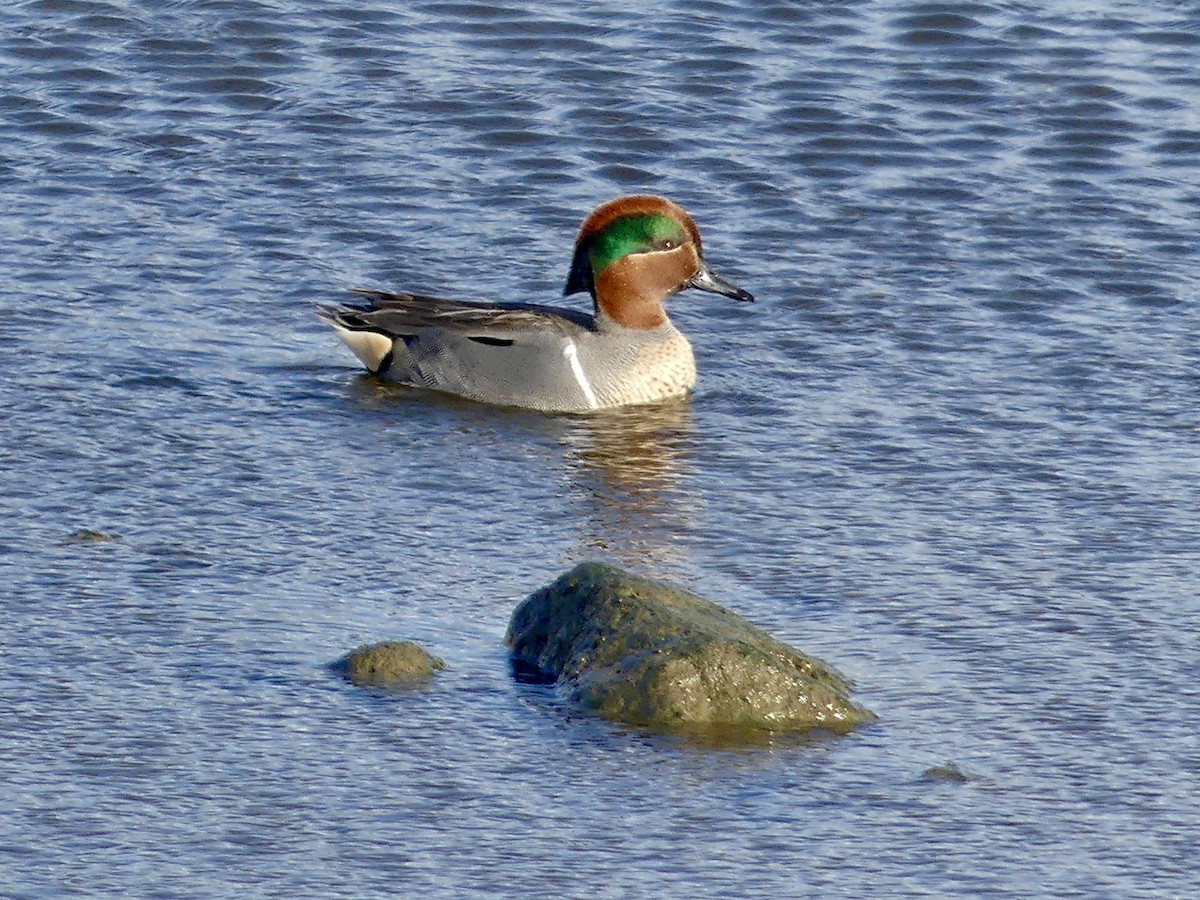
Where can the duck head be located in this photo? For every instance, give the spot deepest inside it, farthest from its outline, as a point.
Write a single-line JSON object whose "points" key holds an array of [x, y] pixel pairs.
{"points": [[634, 252]]}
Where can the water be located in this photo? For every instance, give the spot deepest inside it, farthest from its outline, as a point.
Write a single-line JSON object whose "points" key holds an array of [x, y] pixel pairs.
{"points": [[953, 449]]}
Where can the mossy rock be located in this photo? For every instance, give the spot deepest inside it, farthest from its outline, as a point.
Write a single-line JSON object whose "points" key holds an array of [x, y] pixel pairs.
{"points": [[388, 664], [91, 536], [638, 651]]}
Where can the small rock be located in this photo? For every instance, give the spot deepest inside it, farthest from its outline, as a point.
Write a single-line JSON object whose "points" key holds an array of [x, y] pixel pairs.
{"points": [[947, 772], [91, 536], [638, 651], [388, 664]]}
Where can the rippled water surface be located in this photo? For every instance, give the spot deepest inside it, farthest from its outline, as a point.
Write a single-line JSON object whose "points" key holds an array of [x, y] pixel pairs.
{"points": [[953, 449]]}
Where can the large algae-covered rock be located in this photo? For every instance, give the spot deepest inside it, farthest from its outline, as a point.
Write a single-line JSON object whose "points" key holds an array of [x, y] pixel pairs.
{"points": [[639, 651], [388, 664]]}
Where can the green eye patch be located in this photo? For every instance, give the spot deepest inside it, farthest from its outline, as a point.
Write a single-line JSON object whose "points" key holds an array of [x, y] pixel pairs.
{"points": [[634, 234]]}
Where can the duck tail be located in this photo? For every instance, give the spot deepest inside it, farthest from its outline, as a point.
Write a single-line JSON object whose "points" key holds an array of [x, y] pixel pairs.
{"points": [[372, 345]]}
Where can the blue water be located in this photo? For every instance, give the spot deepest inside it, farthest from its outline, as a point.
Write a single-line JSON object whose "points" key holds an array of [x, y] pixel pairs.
{"points": [[953, 449]]}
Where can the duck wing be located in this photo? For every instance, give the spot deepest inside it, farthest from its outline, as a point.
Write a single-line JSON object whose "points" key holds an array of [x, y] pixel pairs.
{"points": [[514, 354], [407, 315]]}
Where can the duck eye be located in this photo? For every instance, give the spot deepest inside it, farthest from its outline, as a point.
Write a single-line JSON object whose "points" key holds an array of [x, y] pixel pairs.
{"points": [[668, 244]]}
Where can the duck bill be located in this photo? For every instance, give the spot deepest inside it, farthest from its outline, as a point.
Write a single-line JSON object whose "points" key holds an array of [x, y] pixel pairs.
{"points": [[708, 280]]}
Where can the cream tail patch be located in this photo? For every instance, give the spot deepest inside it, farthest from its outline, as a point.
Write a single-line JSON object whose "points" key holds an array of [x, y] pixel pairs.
{"points": [[371, 347]]}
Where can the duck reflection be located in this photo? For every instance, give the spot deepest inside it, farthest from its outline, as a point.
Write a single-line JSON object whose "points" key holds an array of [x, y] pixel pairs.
{"points": [[624, 476], [630, 469]]}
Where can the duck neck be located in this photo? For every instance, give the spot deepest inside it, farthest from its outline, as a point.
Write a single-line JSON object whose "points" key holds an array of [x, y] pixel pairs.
{"points": [[626, 297]]}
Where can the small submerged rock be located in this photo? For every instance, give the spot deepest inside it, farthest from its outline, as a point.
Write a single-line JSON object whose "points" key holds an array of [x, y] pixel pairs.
{"points": [[642, 652], [91, 536], [949, 773], [388, 664]]}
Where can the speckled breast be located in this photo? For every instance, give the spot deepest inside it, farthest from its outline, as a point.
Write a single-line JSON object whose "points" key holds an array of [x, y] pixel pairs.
{"points": [[656, 372]]}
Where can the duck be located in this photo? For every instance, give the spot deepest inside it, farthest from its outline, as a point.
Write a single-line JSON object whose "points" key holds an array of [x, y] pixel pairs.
{"points": [[630, 255]]}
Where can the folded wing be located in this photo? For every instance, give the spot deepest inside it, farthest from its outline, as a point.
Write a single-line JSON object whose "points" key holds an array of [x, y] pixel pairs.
{"points": [[498, 353]]}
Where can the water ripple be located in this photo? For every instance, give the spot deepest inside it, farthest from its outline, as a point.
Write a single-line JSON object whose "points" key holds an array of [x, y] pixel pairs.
{"points": [[952, 448]]}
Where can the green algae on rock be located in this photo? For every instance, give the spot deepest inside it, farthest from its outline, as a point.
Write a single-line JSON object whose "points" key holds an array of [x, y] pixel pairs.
{"points": [[642, 652], [91, 536], [388, 664]]}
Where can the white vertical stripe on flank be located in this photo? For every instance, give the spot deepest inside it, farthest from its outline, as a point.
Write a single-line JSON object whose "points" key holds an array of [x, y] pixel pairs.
{"points": [[571, 352]]}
